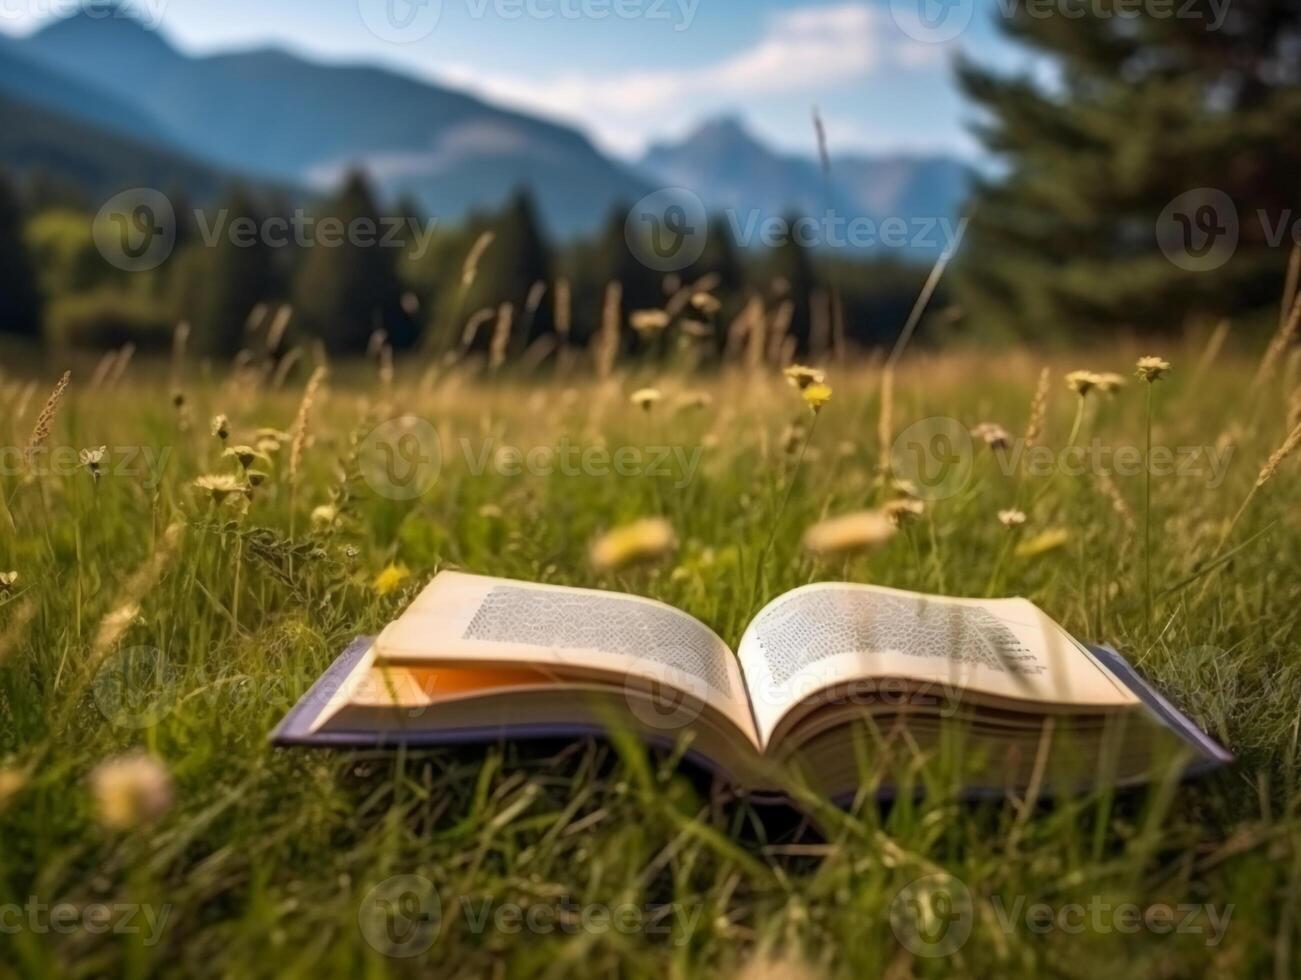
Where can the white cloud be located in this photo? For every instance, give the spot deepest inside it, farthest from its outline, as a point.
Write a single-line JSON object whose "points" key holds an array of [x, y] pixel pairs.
{"points": [[801, 51]]}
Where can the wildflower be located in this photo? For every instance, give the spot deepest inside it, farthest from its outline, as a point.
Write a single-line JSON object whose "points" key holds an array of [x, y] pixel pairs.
{"points": [[1151, 368], [221, 427], [91, 458], [642, 540], [1082, 382], [246, 455], [645, 398], [801, 376], [7, 581], [1049, 540], [993, 434], [268, 434], [1011, 517], [220, 485], [178, 399], [12, 782], [255, 477], [268, 447], [1109, 382], [490, 511], [817, 395], [130, 790], [849, 533], [905, 488], [696, 329], [903, 510], [648, 321], [390, 578], [324, 516], [706, 303]]}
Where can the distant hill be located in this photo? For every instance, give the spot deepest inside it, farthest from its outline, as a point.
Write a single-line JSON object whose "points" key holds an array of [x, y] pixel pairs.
{"points": [[270, 112], [97, 162], [733, 171]]}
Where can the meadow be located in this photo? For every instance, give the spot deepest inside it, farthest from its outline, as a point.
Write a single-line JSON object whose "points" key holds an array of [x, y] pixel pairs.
{"points": [[175, 594]]}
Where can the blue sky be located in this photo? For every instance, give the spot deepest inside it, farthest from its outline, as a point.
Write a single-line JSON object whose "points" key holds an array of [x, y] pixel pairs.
{"points": [[632, 71]]}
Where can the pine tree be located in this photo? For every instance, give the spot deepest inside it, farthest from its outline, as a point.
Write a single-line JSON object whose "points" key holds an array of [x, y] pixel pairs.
{"points": [[516, 261], [238, 273], [1144, 111], [20, 301], [347, 286]]}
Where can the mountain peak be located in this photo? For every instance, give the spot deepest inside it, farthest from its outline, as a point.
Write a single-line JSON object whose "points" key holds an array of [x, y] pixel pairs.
{"points": [[723, 130], [104, 22]]}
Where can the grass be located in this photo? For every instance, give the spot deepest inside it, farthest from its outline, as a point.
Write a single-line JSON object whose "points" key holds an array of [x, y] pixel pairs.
{"points": [[262, 859]]}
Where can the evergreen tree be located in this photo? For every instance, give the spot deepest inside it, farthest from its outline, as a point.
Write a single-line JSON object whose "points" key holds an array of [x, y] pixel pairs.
{"points": [[1144, 108], [20, 301], [510, 268], [346, 288], [239, 273]]}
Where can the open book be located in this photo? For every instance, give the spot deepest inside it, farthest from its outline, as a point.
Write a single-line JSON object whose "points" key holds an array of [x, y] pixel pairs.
{"points": [[824, 677]]}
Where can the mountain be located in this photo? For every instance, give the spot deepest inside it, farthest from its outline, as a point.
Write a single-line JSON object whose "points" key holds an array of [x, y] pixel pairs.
{"points": [[94, 161], [733, 172], [273, 113], [26, 79]]}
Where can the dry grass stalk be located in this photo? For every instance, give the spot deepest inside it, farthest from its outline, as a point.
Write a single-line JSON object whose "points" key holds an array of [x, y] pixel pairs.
{"points": [[102, 369], [471, 268], [1279, 344], [473, 325], [781, 324], [885, 421], [1112, 492], [1277, 458], [24, 401], [120, 364], [756, 336], [45, 420], [292, 357], [607, 344], [279, 325], [501, 336], [564, 310], [302, 420], [134, 591], [1038, 410], [180, 343]]}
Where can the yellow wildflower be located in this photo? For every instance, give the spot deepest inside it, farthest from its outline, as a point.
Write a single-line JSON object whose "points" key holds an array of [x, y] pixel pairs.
{"points": [[642, 540]]}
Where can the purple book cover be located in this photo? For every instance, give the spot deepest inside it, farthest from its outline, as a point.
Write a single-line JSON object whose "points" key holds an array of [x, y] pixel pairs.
{"points": [[296, 728]]}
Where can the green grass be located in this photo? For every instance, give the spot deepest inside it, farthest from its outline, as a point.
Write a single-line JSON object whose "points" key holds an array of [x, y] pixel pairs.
{"points": [[266, 856]]}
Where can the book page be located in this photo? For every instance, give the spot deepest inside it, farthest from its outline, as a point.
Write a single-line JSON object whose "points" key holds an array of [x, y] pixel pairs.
{"points": [[473, 619], [829, 634]]}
